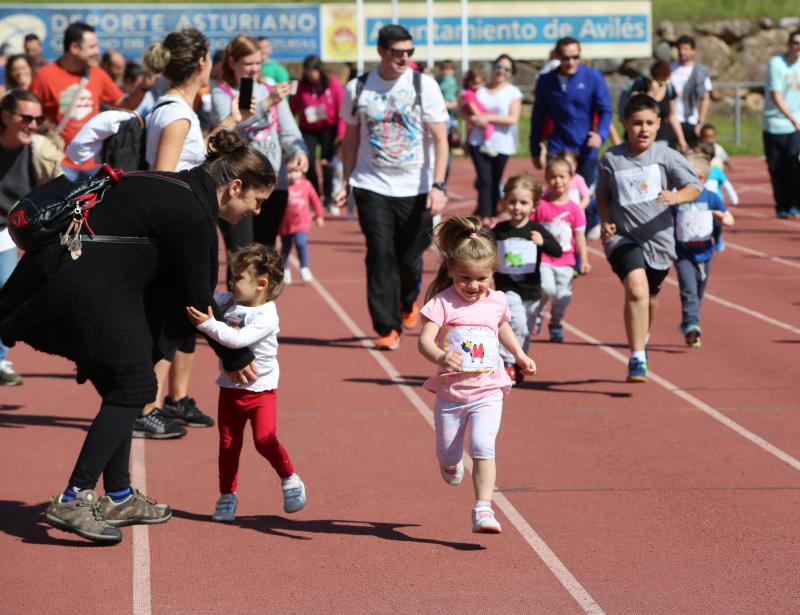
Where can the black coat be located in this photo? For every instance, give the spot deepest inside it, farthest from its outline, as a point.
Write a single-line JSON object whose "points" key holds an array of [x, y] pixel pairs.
{"points": [[117, 309]]}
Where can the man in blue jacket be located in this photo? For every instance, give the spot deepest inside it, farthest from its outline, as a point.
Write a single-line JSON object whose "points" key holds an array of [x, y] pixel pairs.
{"points": [[571, 97]]}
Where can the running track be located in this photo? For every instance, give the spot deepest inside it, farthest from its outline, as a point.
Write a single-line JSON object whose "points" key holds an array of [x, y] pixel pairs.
{"points": [[678, 496]]}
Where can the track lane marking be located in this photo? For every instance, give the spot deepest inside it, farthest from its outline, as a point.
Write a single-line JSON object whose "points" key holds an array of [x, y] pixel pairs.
{"points": [[759, 254], [545, 553], [142, 596], [728, 304]]}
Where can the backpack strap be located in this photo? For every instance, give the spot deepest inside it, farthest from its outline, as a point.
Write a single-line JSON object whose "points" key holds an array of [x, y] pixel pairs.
{"points": [[361, 81], [416, 78]]}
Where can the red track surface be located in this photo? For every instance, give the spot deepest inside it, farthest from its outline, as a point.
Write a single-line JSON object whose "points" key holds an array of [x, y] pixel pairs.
{"points": [[651, 504]]}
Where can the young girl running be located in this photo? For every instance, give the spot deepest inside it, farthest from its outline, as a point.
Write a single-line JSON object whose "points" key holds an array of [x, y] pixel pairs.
{"points": [[296, 223], [520, 244], [464, 323], [567, 222], [250, 320]]}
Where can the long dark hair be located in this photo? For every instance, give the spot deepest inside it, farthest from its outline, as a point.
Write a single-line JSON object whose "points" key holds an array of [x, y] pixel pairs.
{"points": [[314, 63], [461, 238]]}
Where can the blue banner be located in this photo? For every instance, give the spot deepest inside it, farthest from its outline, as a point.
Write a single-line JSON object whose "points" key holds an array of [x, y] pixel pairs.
{"points": [[130, 28]]}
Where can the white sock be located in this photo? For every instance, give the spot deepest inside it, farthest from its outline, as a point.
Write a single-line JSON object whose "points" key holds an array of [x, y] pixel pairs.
{"points": [[481, 504], [639, 355], [294, 478], [646, 339]]}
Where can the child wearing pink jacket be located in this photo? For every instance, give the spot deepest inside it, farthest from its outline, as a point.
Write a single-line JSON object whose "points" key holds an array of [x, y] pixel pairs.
{"points": [[296, 223]]}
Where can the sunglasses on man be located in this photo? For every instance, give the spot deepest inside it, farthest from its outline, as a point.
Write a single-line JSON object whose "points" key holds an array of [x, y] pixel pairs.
{"points": [[30, 119], [576, 57], [399, 53]]}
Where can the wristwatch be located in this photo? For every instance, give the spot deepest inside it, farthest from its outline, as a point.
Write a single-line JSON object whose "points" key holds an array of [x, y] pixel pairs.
{"points": [[440, 186]]}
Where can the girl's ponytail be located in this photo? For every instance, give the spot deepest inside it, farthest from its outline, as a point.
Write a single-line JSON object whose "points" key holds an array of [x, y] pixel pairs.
{"points": [[461, 238]]}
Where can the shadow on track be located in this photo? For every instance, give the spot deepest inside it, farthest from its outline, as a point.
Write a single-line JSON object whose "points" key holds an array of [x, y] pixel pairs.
{"points": [[19, 421], [280, 526], [412, 381], [554, 386], [26, 521], [341, 342]]}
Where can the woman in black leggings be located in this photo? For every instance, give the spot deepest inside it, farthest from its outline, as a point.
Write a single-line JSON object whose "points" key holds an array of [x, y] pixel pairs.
{"points": [[119, 308]]}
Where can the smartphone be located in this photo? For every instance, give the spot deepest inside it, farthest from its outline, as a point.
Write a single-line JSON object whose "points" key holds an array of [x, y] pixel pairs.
{"points": [[245, 93], [292, 88]]}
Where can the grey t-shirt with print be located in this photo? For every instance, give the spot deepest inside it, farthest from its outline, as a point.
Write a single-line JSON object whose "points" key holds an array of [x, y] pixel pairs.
{"points": [[631, 184]]}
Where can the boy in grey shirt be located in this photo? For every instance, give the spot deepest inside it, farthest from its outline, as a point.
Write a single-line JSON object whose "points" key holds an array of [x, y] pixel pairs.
{"points": [[638, 182]]}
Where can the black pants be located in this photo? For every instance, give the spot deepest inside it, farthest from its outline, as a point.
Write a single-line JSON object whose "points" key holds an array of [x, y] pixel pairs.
{"points": [[267, 223], [324, 139], [784, 168], [397, 232], [689, 134], [490, 174], [106, 449]]}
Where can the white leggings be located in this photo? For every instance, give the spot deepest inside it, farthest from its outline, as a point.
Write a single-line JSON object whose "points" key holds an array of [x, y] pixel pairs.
{"points": [[451, 419]]}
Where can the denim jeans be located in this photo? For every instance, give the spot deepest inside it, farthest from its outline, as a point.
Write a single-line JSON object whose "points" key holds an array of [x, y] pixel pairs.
{"points": [[300, 239], [8, 260], [692, 279]]}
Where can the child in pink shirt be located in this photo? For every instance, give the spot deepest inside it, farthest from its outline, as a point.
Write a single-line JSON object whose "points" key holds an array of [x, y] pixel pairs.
{"points": [[471, 105], [567, 223], [296, 223], [464, 323]]}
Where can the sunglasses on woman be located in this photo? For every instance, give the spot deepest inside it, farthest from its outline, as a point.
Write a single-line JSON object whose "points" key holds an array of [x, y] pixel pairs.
{"points": [[30, 119], [399, 53], [503, 67]]}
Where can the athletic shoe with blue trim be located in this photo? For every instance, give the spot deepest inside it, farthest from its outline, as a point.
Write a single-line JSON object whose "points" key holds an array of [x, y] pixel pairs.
{"points": [[294, 494], [225, 510], [637, 370], [556, 334], [692, 333]]}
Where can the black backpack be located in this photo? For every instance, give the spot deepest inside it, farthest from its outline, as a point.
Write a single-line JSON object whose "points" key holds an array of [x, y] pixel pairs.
{"points": [[126, 149], [58, 212], [361, 81]]}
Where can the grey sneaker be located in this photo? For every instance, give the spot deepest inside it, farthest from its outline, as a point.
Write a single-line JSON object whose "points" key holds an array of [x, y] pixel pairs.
{"points": [[186, 411], [138, 509], [294, 494], [82, 516], [226, 508], [157, 427], [8, 376]]}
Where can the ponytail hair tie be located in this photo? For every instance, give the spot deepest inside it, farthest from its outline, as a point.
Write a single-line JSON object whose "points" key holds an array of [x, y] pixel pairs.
{"points": [[473, 235]]}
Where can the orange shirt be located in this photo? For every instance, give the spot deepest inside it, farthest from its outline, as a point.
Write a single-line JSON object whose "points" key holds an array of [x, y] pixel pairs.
{"points": [[56, 88]]}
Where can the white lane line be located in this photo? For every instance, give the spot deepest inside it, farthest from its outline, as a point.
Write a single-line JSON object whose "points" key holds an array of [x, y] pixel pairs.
{"points": [[545, 553], [142, 598], [691, 399], [758, 253], [729, 304]]}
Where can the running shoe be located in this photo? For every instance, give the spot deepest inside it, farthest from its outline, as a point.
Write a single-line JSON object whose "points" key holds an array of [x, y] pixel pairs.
{"points": [[782, 215], [82, 516], [225, 510], [8, 377], [294, 494], [156, 426], [483, 521], [287, 276], [136, 509], [794, 212], [637, 370], [390, 341], [692, 335], [537, 324], [411, 317], [305, 274], [185, 411], [453, 475], [556, 334]]}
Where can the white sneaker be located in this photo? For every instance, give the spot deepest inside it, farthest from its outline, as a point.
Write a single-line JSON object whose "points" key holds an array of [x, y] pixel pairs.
{"points": [[483, 521], [287, 276], [226, 508], [488, 150], [454, 474], [305, 273], [294, 494], [334, 210], [594, 233]]}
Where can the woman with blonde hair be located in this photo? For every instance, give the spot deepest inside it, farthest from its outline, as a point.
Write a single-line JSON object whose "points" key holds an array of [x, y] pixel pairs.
{"points": [[271, 130]]}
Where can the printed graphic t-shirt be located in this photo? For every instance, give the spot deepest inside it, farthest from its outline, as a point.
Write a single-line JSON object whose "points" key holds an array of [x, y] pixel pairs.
{"points": [[56, 88], [471, 328], [395, 153], [563, 221]]}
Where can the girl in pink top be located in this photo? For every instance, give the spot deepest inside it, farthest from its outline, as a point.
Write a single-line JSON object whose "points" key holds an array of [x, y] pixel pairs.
{"points": [[464, 323], [567, 223], [470, 105], [296, 223], [577, 190]]}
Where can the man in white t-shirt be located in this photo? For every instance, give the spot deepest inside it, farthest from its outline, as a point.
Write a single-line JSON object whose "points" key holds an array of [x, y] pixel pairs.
{"points": [[395, 161], [692, 83]]}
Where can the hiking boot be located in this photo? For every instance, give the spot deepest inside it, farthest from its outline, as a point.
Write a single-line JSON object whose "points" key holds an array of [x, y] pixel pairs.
{"points": [[411, 317], [82, 516], [483, 521], [157, 427], [453, 475], [637, 370], [294, 494], [390, 341], [137, 509], [226, 508], [8, 377], [186, 411]]}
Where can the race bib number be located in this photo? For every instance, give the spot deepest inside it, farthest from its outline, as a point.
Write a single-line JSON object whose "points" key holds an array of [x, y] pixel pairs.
{"points": [[478, 346], [316, 114], [638, 185], [694, 224], [562, 231], [517, 256]]}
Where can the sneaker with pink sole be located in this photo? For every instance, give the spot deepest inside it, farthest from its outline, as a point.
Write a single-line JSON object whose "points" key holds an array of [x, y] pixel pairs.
{"points": [[483, 521]]}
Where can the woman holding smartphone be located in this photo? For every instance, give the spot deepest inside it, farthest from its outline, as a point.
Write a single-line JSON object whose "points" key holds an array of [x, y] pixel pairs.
{"points": [[271, 130]]}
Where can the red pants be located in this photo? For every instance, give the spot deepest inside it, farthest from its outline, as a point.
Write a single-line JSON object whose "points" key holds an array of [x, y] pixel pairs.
{"points": [[236, 407]]}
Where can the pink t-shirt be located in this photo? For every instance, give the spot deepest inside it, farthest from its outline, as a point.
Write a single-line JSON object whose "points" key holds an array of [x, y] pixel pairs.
{"points": [[563, 221], [471, 327], [302, 197]]}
